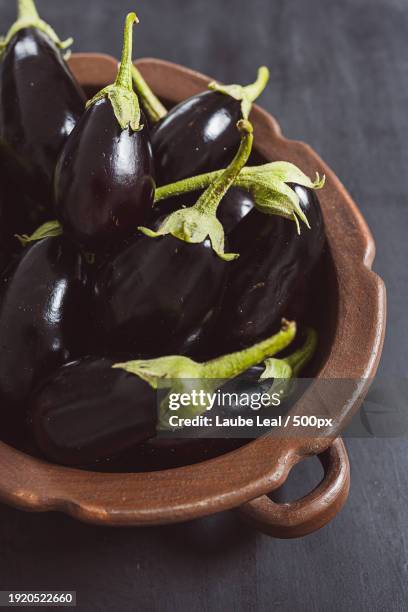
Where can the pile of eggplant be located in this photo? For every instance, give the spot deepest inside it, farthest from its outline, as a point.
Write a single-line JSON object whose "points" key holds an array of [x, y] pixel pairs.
{"points": [[137, 246]]}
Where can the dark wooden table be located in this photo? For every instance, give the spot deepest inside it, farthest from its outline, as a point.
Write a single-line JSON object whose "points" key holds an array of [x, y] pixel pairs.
{"points": [[339, 82]]}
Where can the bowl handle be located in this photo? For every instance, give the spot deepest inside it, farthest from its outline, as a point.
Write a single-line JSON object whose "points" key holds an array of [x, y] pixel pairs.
{"points": [[310, 513]]}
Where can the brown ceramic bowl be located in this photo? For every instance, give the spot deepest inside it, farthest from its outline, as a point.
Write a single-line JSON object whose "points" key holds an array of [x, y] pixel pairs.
{"points": [[353, 314]]}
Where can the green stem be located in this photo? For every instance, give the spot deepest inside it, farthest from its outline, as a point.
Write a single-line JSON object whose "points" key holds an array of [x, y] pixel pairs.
{"points": [[121, 94], [151, 103], [27, 10], [254, 90], [303, 355], [211, 198], [285, 371], [180, 371], [194, 183], [124, 76], [229, 366]]}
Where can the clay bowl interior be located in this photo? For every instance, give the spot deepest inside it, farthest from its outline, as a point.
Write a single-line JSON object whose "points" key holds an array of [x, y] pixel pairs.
{"points": [[145, 487]]}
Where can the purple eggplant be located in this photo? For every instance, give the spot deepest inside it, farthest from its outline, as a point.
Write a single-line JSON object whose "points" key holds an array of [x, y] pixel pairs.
{"points": [[199, 135], [46, 311], [93, 409], [275, 262], [40, 103], [104, 180]]}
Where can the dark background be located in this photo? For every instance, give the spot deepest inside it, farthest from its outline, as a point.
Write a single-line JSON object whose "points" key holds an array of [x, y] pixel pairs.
{"points": [[339, 82]]}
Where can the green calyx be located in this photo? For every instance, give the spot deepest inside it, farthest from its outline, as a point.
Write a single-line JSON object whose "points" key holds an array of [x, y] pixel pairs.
{"points": [[47, 230], [123, 98], [178, 374], [199, 222], [283, 371], [28, 17], [268, 185], [246, 95]]}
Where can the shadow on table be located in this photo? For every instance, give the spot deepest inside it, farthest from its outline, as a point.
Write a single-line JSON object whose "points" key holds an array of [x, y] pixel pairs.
{"points": [[221, 534]]}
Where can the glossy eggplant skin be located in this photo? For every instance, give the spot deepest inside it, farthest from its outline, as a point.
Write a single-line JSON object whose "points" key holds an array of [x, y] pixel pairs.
{"points": [[40, 103], [156, 292], [45, 314], [234, 206], [88, 411], [104, 180], [196, 136], [273, 266]]}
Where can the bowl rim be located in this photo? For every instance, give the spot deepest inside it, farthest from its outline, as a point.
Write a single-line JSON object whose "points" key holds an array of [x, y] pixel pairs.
{"points": [[192, 491]]}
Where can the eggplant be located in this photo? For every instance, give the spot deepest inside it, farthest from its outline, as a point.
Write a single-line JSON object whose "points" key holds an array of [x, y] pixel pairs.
{"points": [[199, 134], [155, 292], [164, 285], [274, 264], [235, 205], [40, 103], [104, 179], [45, 315], [88, 411], [94, 409]]}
